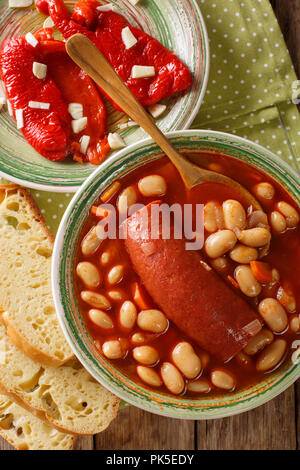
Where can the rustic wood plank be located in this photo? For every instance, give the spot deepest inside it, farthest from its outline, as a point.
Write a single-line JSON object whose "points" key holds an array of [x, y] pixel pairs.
{"points": [[271, 426], [84, 443], [137, 429], [288, 15], [4, 445]]}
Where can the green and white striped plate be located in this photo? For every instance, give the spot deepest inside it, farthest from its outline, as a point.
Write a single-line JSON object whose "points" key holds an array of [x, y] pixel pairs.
{"points": [[72, 322], [178, 24]]}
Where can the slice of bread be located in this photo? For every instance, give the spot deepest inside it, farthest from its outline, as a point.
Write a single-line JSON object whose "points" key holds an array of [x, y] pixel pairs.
{"points": [[66, 397], [26, 432], [25, 288]]}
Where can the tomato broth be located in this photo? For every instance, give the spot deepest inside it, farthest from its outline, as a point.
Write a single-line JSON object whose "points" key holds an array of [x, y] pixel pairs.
{"points": [[282, 258]]}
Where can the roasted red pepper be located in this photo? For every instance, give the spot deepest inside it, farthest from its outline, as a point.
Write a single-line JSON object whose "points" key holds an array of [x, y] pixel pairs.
{"points": [[104, 28], [50, 131]]}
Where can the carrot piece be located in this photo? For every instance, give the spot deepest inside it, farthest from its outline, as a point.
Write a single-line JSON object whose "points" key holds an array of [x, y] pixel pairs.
{"points": [[111, 191], [99, 211], [261, 271], [78, 158], [233, 282], [94, 210], [140, 296]]}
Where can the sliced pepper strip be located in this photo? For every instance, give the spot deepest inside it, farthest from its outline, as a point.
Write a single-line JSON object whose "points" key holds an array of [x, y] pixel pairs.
{"points": [[104, 29], [49, 131]]}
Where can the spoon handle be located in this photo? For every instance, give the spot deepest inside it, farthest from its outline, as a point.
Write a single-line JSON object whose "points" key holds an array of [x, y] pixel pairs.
{"points": [[85, 54]]}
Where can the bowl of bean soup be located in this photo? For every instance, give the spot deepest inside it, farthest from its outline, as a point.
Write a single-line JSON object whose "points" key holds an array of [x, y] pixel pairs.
{"points": [[185, 303]]}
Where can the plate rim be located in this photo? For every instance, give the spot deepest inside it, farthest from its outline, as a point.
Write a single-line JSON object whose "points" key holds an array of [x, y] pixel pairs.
{"points": [[65, 188]]}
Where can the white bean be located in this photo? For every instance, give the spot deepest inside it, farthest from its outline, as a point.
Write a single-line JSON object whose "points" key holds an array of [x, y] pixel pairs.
{"points": [[140, 338], [213, 217], [220, 264], [243, 359], [234, 215], [199, 386], [91, 242], [116, 295], [273, 314], [127, 198], [217, 244], [290, 213], [286, 297], [149, 376], [101, 319], [295, 323], [243, 254], [271, 355], [172, 378], [115, 274], [145, 355], [112, 349], [264, 191], [246, 281], [259, 341], [128, 314], [222, 379], [89, 274], [152, 320], [187, 361], [278, 222], [205, 359], [95, 300], [152, 185], [255, 237]]}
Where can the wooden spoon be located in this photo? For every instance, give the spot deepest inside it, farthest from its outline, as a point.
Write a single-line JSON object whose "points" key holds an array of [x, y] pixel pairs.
{"points": [[86, 55]]}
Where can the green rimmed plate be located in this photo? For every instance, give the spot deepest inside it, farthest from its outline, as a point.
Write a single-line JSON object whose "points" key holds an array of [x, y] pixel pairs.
{"points": [[178, 24], [63, 288]]}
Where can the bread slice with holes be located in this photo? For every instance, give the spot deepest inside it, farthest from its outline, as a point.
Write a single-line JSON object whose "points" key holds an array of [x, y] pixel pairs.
{"points": [[27, 432], [66, 397], [25, 287]]}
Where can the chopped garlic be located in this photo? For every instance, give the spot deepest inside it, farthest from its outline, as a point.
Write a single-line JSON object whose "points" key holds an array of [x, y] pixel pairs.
{"points": [[115, 141], [39, 70], [128, 38], [31, 39], [128, 124], [157, 109], [84, 143], [76, 110], [19, 118], [38, 105], [79, 124], [48, 23], [134, 2], [107, 7], [142, 71], [19, 3], [9, 108]]}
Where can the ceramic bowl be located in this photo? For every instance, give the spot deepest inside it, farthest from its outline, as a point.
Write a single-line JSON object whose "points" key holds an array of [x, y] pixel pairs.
{"points": [[72, 322]]}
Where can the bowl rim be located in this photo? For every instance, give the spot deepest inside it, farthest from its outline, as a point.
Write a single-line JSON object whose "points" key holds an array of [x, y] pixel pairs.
{"points": [[72, 188], [242, 405]]}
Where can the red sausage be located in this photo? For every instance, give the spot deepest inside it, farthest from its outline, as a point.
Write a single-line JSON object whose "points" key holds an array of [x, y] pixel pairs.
{"points": [[197, 300]]}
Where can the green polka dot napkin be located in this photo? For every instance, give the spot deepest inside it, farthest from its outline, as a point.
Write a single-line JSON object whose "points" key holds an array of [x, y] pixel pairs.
{"points": [[251, 77], [250, 88]]}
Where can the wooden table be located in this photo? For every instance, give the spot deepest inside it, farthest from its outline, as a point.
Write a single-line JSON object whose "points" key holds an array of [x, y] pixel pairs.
{"points": [[275, 425]]}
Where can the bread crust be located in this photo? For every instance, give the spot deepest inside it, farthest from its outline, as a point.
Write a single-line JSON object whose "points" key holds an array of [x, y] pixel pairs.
{"points": [[14, 334], [21, 343], [43, 416]]}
